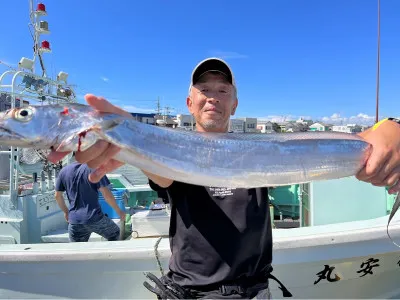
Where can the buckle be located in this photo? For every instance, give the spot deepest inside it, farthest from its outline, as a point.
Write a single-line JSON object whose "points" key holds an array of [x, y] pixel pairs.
{"points": [[227, 290]]}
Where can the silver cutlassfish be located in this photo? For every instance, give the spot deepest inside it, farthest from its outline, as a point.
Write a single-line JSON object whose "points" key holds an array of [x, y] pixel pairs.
{"points": [[210, 159]]}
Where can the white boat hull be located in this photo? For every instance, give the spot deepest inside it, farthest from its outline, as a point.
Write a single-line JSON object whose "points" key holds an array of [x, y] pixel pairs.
{"points": [[151, 223], [105, 270]]}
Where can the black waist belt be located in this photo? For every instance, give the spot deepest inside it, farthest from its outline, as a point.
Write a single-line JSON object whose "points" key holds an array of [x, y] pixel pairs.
{"points": [[166, 289], [245, 286]]}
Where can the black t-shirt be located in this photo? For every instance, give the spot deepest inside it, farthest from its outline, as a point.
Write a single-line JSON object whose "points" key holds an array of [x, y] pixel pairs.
{"points": [[216, 234]]}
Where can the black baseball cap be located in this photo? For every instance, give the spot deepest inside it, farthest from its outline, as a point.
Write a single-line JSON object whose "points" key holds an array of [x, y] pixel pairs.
{"points": [[212, 64]]}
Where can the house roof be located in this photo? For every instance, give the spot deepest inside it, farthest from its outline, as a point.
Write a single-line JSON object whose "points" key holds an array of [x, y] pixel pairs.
{"points": [[143, 115]]}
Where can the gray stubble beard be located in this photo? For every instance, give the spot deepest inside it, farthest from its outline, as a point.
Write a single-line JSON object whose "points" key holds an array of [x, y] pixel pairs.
{"points": [[213, 124]]}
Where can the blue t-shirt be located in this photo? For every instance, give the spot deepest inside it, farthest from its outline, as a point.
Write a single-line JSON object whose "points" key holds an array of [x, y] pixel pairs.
{"points": [[83, 195]]}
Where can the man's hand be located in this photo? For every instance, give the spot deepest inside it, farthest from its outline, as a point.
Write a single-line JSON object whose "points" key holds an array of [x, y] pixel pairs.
{"points": [[100, 155], [66, 216], [383, 165], [122, 215]]}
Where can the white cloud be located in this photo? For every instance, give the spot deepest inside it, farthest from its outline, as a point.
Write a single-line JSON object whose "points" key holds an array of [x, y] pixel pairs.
{"points": [[227, 54], [134, 109], [335, 119], [283, 118], [105, 79], [360, 119]]}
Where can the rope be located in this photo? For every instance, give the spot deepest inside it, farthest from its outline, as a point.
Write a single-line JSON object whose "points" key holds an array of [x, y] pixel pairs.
{"points": [[157, 255]]}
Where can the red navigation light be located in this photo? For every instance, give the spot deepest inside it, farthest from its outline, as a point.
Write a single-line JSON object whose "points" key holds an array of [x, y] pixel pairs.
{"points": [[46, 45], [41, 7]]}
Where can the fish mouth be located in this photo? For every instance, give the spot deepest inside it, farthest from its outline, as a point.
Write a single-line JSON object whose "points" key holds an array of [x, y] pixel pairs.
{"points": [[9, 137], [6, 133]]}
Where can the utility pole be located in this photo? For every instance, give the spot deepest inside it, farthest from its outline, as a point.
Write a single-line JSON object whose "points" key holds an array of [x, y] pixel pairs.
{"points": [[158, 106], [378, 63], [167, 108]]}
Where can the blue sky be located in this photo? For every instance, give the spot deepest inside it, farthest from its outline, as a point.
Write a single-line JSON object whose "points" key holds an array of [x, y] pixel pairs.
{"points": [[291, 58]]}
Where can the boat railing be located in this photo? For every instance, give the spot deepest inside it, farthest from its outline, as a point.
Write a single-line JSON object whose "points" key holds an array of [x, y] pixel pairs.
{"points": [[15, 93], [23, 85]]}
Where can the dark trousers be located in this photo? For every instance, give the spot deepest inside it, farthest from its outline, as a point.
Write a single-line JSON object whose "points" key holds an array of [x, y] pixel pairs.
{"points": [[104, 227]]}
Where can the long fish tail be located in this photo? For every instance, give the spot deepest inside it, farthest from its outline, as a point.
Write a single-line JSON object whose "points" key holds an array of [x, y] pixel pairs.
{"points": [[395, 207]]}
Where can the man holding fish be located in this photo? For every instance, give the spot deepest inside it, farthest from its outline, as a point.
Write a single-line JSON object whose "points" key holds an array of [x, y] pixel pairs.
{"points": [[221, 238]]}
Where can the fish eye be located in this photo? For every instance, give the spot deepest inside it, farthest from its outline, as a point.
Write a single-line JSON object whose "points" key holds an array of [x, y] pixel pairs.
{"points": [[23, 114]]}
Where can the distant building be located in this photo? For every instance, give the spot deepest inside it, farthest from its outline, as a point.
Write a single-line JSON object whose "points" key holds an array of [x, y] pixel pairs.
{"points": [[303, 121], [282, 126], [145, 118], [236, 125], [250, 124], [185, 121], [349, 128], [320, 127], [296, 127], [266, 127]]}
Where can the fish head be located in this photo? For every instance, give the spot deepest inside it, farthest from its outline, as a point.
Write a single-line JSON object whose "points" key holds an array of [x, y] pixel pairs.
{"points": [[42, 127]]}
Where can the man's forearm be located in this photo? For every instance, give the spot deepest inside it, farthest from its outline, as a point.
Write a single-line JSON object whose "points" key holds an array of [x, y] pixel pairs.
{"points": [[111, 201], [61, 203], [109, 197]]}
